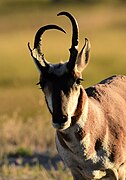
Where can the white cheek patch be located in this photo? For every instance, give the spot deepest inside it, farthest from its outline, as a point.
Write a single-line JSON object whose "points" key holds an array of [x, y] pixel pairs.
{"points": [[49, 101], [48, 96]]}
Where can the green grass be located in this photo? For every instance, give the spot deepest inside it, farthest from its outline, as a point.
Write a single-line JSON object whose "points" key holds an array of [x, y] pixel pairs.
{"points": [[25, 123]]}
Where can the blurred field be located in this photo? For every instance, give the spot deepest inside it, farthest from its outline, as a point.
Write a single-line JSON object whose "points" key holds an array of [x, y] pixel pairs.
{"points": [[24, 120]]}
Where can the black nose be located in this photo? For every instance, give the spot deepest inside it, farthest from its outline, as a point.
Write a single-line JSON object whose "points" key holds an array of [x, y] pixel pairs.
{"points": [[60, 119], [64, 118]]}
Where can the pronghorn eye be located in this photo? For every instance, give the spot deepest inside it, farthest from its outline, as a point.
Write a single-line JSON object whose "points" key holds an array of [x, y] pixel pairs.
{"points": [[78, 81]]}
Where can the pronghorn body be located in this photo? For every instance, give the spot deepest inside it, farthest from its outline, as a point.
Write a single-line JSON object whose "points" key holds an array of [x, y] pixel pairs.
{"points": [[95, 146], [90, 124]]}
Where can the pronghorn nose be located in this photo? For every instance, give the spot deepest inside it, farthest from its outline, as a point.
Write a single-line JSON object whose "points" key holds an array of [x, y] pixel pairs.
{"points": [[60, 119], [64, 118], [61, 122]]}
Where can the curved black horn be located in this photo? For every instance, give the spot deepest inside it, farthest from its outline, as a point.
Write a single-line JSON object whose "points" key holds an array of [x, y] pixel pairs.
{"points": [[37, 41], [73, 49], [36, 52]]}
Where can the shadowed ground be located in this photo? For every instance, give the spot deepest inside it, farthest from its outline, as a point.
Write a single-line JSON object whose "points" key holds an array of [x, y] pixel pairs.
{"points": [[46, 160]]}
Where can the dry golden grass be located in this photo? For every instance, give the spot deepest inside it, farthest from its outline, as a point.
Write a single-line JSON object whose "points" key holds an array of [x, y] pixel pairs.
{"points": [[36, 173], [29, 134]]}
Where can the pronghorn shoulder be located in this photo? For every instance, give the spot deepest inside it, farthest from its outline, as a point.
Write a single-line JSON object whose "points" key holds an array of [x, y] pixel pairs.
{"points": [[113, 83]]}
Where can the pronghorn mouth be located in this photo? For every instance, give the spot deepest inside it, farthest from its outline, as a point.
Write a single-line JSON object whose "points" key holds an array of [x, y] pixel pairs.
{"points": [[61, 126], [64, 124]]}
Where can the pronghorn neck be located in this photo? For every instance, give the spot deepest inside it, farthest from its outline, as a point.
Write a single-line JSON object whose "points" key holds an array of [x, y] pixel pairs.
{"points": [[82, 107], [69, 137]]}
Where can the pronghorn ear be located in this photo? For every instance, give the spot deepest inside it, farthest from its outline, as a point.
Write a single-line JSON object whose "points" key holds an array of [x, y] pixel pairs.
{"points": [[83, 56]]}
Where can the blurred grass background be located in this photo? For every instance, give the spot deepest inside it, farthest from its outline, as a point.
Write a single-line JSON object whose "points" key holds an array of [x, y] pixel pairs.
{"points": [[24, 119]]}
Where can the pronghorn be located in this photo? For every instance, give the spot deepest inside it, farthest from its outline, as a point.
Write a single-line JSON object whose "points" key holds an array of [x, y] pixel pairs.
{"points": [[90, 123]]}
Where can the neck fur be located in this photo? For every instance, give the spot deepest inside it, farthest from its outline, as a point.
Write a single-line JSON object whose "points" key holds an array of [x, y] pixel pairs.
{"points": [[82, 107]]}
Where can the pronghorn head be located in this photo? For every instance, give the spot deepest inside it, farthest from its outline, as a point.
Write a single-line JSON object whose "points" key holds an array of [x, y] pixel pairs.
{"points": [[61, 82]]}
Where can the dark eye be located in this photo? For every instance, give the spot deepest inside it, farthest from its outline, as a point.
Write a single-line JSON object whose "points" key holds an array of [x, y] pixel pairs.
{"points": [[78, 81]]}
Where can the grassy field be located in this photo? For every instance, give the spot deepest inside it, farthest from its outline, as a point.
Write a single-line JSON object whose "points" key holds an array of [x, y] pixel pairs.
{"points": [[26, 132]]}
